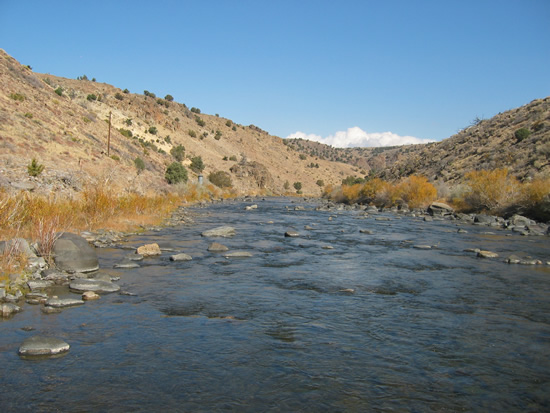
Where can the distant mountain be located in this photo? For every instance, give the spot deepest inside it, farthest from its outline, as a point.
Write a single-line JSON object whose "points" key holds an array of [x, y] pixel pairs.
{"points": [[64, 124], [486, 144]]}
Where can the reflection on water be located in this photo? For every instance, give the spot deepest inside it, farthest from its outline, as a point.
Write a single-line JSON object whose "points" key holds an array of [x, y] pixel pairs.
{"points": [[372, 324]]}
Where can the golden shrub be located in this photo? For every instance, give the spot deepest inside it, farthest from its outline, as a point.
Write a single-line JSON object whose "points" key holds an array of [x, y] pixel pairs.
{"points": [[416, 191], [493, 190]]}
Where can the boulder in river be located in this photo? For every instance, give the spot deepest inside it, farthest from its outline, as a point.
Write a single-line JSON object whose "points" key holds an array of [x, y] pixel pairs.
{"points": [[72, 253], [487, 254], [217, 247], [292, 234], [43, 346], [90, 295], [181, 257], [224, 231], [440, 208], [8, 309], [149, 250]]}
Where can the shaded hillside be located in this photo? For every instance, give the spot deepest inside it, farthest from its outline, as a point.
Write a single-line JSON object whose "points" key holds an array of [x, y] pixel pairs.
{"points": [[64, 124], [487, 144]]}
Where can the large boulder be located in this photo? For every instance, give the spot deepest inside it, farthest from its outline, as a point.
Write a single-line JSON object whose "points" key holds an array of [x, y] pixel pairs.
{"points": [[43, 346], [439, 208], [72, 253]]}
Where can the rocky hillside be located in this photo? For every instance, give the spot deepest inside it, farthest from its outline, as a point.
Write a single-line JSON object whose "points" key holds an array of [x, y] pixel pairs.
{"points": [[64, 124], [486, 144]]}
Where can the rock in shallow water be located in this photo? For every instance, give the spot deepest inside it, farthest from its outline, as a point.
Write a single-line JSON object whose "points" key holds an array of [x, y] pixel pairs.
{"points": [[98, 286], [90, 295], [63, 302], [292, 234], [238, 254], [43, 346], [223, 231], [487, 254], [181, 257], [217, 247], [149, 250], [73, 253]]}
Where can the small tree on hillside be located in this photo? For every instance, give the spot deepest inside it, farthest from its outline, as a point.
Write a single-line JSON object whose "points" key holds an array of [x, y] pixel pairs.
{"points": [[178, 152], [298, 187], [175, 173], [34, 168], [197, 164]]}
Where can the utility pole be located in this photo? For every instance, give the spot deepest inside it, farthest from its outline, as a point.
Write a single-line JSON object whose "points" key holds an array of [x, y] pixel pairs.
{"points": [[109, 137]]}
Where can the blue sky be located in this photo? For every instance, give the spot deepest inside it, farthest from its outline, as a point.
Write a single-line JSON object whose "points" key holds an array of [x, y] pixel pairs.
{"points": [[344, 72]]}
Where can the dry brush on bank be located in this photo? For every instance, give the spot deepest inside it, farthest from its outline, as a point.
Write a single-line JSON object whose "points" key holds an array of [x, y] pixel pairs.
{"points": [[493, 191]]}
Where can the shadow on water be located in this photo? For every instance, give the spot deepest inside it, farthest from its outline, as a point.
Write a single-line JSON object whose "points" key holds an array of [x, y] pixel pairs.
{"points": [[332, 320]]}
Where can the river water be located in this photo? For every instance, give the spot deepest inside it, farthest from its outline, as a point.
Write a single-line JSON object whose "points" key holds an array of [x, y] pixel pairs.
{"points": [[422, 330]]}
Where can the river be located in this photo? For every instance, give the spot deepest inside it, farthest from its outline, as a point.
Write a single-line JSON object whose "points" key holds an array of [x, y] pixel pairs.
{"points": [[332, 320]]}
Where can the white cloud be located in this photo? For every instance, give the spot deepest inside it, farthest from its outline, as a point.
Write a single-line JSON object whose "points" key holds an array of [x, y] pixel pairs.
{"points": [[356, 137]]}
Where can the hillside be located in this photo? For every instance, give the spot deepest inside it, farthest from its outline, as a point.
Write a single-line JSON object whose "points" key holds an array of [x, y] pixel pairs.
{"points": [[64, 124], [486, 144]]}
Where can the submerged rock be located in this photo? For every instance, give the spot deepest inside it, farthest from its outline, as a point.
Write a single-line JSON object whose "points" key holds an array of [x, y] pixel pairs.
{"points": [[63, 302], [238, 254], [98, 286], [43, 346], [223, 231]]}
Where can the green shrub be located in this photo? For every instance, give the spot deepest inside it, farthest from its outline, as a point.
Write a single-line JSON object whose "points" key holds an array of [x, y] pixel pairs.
{"points": [[233, 158], [17, 96], [34, 168], [297, 186], [521, 134], [169, 98], [153, 130], [115, 158], [224, 158], [140, 164], [320, 183], [228, 123], [218, 135], [178, 152], [199, 121], [125, 132], [221, 179], [128, 122], [83, 77], [192, 133], [91, 97], [302, 157], [119, 96], [29, 115], [234, 128], [195, 110], [126, 91], [168, 139], [197, 164], [286, 185], [59, 91], [175, 173], [149, 94]]}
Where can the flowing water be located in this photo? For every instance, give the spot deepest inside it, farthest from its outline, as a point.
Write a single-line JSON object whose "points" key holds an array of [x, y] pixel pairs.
{"points": [[371, 324]]}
